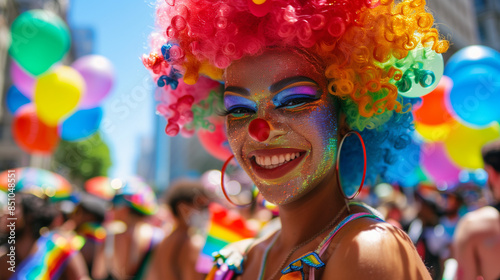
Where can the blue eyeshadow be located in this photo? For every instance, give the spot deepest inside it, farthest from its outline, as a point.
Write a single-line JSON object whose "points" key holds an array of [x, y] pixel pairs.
{"points": [[231, 101], [295, 92]]}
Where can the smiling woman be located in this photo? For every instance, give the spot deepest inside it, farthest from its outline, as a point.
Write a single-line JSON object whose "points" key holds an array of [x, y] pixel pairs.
{"points": [[300, 78]]}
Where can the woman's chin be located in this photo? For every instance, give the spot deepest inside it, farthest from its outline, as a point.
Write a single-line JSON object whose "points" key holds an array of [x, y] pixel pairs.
{"points": [[284, 193]]}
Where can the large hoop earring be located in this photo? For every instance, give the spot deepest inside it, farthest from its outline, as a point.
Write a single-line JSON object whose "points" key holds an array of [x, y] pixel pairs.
{"points": [[338, 164], [223, 171]]}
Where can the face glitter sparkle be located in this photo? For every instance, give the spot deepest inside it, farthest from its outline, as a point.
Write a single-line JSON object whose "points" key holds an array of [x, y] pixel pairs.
{"points": [[291, 96]]}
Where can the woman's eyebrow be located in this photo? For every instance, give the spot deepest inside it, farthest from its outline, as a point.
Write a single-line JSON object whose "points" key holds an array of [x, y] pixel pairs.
{"points": [[238, 90], [288, 81]]}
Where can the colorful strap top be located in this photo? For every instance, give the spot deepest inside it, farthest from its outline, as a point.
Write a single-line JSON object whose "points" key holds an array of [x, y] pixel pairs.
{"points": [[50, 259], [229, 264]]}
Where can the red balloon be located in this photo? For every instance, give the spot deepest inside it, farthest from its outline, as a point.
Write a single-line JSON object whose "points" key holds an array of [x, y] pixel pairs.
{"points": [[215, 142], [433, 110], [31, 134]]}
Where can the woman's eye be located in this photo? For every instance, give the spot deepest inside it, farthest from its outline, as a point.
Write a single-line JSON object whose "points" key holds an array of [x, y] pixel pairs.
{"points": [[240, 111], [296, 102]]}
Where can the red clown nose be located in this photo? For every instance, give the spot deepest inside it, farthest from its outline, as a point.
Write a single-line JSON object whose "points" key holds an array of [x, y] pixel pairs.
{"points": [[259, 130]]}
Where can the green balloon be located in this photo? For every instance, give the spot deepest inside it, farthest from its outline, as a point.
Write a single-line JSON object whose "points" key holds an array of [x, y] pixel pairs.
{"points": [[39, 39]]}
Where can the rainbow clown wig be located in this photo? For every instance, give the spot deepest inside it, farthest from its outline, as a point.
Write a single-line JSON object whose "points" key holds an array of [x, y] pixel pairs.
{"points": [[376, 54]]}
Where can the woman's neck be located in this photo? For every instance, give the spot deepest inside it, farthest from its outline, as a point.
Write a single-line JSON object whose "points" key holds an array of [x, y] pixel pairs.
{"points": [[304, 218]]}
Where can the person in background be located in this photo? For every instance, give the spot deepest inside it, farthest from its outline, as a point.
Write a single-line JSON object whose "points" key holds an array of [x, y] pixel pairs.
{"points": [[87, 219], [422, 231], [130, 238], [176, 255], [476, 244], [38, 244], [451, 203]]}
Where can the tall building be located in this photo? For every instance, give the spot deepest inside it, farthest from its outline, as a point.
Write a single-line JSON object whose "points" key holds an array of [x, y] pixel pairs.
{"points": [[456, 20], [488, 18], [177, 157], [82, 41]]}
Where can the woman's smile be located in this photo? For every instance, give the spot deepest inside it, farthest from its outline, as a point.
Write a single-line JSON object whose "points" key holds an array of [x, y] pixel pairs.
{"points": [[271, 164]]}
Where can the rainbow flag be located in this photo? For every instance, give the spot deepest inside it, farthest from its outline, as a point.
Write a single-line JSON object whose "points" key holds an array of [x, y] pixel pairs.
{"points": [[225, 227], [50, 259]]}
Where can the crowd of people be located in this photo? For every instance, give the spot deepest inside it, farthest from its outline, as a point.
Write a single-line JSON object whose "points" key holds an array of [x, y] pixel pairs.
{"points": [[133, 236]]}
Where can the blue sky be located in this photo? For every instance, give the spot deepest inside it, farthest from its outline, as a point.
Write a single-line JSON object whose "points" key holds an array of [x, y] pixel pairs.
{"points": [[121, 30]]}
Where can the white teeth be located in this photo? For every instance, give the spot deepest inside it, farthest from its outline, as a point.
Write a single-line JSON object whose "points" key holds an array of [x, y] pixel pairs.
{"points": [[270, 162], [275, 160]]}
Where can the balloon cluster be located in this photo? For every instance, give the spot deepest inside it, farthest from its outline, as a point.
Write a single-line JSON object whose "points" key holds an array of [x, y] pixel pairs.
{"points": [[51, 101], [460, 115]]}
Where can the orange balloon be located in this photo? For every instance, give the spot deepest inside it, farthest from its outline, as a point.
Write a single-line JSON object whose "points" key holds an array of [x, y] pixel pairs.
{"points": [[433, 110], [31, 134]]}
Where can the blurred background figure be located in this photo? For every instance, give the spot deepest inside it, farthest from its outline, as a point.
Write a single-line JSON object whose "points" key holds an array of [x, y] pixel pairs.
{"points": [[425, 231], [392, 203], [176, 256], [477, 237], [86, 220], [38, 243], [130, 239], [452, 204]]}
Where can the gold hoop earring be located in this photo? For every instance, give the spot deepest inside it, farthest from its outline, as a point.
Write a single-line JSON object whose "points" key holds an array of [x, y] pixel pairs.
{"points": [[349, 196]]}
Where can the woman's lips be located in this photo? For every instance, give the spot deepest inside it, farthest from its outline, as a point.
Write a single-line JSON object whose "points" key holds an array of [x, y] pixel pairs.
{"points": [[271, 164]]}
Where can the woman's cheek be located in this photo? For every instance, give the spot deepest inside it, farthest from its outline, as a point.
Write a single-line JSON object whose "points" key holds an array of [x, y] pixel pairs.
{"points": [[320, 128], [236, 134]]}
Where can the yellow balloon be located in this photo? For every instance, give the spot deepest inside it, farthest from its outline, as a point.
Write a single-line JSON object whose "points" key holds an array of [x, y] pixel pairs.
{"points": [[464, 144], [435, 133], [57, 94]]}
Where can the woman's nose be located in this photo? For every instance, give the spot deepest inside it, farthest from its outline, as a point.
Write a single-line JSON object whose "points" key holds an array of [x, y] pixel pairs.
{"points": [[260, 130]]}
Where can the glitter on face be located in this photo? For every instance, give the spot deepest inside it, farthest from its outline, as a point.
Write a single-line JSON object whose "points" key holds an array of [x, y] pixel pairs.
{"points": [[290, 94]]}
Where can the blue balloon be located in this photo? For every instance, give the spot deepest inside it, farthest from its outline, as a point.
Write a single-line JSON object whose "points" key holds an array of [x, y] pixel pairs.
{"points": [[475, 71], [475, 96], [81, 124], [15, 99], [471, 56]]}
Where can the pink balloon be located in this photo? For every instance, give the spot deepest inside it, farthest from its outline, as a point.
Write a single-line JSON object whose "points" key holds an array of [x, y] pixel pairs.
{"points": [[98, 73], [437, 164], [23, 81]]}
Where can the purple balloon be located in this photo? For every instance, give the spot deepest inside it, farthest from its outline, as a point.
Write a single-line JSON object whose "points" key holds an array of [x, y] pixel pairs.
{"points": [[437, 164], [23, 81], [97, 71]]}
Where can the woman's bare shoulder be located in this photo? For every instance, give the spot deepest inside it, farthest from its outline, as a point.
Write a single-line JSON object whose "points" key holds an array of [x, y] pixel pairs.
{"points": [[370, 249]]}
